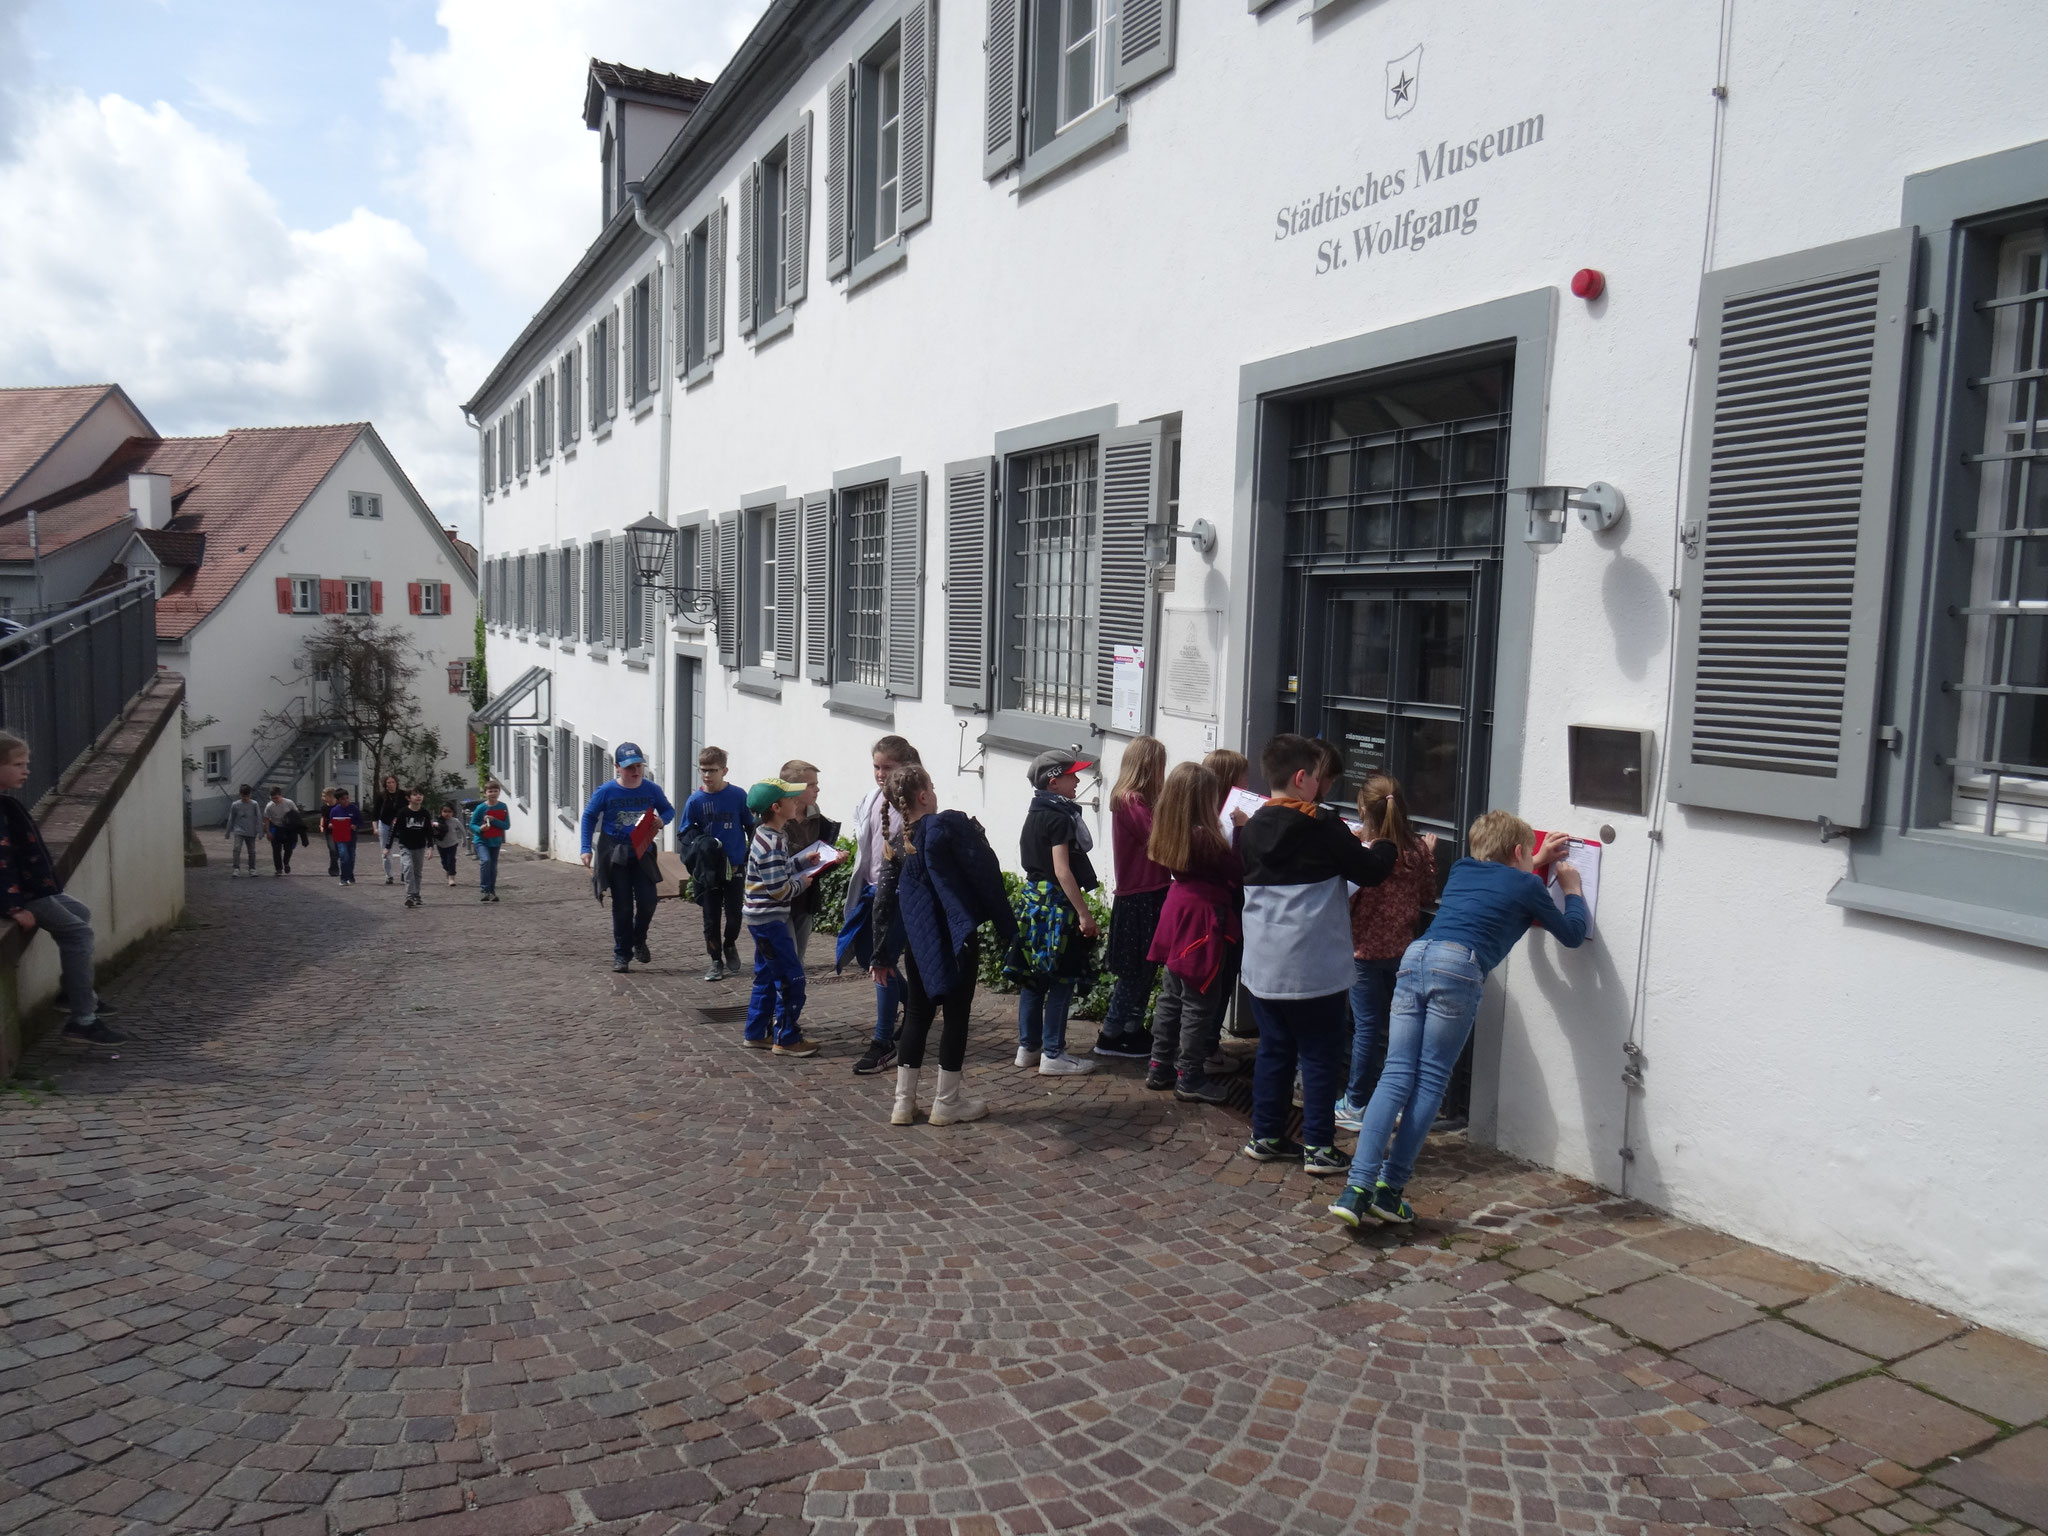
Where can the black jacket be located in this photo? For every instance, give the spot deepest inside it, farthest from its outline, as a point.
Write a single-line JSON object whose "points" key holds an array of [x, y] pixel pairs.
{"points": [[415, 829], [27, 872], [388, 806]]}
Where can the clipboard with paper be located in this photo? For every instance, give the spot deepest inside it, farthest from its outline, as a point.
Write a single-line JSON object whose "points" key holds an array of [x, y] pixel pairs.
{"points": [[1584, 856]]}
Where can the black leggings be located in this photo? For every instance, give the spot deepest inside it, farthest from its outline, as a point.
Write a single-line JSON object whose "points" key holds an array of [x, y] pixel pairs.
{"points": [[727, 903], [957, 1004]]}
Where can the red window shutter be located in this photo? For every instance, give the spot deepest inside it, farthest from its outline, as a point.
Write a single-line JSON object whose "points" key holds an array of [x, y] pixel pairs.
{"points": [[376, 597], [330, 597], [284, 594], [472, 749], [447, 598], [412, 596]]}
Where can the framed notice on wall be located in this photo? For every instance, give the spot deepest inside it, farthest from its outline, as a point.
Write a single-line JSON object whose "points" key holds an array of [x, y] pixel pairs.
{"points": [[1190, 657], [1127, 689]]}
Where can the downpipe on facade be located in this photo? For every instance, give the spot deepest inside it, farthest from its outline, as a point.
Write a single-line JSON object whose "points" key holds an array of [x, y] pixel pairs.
{"points": [[636, 196]]}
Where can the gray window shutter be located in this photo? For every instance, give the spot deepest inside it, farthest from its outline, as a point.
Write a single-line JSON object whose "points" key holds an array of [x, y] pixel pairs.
{"points": [[611, 366], [914, 159], [796, 223], [714, 285], [1144, 44], [838, 167], [1132, 497], [593, 592], [746, 279], [657, 332], [729, 588], [594, 392], [970, 561], [628, 323], [1787, 529], [617, 616], [903, 589], [553, 566], [668, 573], [572, 596], [818, 574], [788, 545], [1002, 142]]}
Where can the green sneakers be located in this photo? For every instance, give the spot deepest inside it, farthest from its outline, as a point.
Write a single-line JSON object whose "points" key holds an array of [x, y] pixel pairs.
{"points": [[1389, 1207], [1271, 1149], [1357, 1206], [1349, 1207]]}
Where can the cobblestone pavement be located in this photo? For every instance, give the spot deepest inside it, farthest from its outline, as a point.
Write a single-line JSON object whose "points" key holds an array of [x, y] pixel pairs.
{"points": [[392, 1217]]}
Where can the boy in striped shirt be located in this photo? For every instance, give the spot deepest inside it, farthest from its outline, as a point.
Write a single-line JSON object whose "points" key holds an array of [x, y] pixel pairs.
{"points": [[774, 880]]}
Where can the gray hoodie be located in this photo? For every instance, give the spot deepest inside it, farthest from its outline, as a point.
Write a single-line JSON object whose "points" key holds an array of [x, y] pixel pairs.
{"points": [[245, 818]]}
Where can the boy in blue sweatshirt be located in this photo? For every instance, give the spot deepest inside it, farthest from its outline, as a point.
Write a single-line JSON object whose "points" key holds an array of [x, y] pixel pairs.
{"points": [[628, 877], [1491, 899], [720, 810], [1298, 860]]}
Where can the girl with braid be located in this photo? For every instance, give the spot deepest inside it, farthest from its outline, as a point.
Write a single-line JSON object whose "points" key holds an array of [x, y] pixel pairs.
{"points": [[939, 883]]}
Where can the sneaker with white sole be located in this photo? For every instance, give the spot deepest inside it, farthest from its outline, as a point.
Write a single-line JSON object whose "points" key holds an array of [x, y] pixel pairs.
{"points": [[1063, 1065], [1323, 1161], [1350, 1117], [1026, 1056]]}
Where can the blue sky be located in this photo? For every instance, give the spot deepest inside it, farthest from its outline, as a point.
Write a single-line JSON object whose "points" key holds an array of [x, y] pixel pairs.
{"points": [[256, 214]]}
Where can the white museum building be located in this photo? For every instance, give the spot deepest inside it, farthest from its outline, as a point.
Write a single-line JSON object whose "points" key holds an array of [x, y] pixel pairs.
{"points": [[1624, 414]]}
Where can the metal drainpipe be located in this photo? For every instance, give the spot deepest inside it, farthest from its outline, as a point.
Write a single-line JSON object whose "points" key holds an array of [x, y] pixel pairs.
{"points": [[636, 195]]}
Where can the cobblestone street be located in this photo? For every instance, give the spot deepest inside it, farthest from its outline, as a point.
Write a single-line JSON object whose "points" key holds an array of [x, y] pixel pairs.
{"points": [[388, 1217]]}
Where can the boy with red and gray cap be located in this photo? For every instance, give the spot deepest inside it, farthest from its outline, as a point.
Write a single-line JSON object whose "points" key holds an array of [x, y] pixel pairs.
{"points": [[1056, 931]]}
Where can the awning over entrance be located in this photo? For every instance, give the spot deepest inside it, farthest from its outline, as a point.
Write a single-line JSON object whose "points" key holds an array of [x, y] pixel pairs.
{"points": [[535, 685]]}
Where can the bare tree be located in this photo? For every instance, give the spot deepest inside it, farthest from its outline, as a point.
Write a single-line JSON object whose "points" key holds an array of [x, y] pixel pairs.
{"points": [[363, 674]]}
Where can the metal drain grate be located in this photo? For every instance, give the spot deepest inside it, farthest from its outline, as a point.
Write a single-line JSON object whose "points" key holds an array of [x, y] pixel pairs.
{"points": [[736, 1014]]}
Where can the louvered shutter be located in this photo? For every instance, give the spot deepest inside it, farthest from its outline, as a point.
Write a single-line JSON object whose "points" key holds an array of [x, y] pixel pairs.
{"points": [[707, 564], [553, 566], [617, 629], [970, 558], [284, 594], [1787, 529], [1144, 44], [818, 581], [914, 123], [788, 549], [611, 365], [572, 599], [657, 333], [750, 199], [594, 388], [668, 570], [412, 596], [903, 588], [796, 223], [1002, 142], [572, 413], [838, 167], [729, 589], [593, 592], [376, 597], [714, 286], [447, 598], [629, 329], [1131, 498]]}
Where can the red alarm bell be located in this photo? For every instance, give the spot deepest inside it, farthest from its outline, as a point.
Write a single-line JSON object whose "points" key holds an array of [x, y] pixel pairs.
{"points": [[1589, 282]]}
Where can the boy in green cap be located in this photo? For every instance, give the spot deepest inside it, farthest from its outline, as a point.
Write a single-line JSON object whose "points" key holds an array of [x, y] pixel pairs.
{"points": [[774, 880]]}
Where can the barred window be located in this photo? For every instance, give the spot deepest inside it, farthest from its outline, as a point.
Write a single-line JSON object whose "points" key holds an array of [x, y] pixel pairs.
{"points": [[2001, 757], [864, 519], [1051, 528]]}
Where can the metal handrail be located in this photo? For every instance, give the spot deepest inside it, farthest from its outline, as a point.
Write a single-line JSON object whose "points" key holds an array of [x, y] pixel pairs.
{"points": [[131, 590]]}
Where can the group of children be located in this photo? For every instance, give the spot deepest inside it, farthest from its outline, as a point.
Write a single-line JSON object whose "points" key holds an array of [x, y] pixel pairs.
{"points": [[405, 830]]}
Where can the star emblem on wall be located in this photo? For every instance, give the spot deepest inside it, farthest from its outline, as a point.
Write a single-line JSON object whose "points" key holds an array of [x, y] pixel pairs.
{"points": [[1404, 82]]}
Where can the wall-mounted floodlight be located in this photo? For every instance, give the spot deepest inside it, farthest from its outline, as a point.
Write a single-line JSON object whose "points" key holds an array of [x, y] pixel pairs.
{"points": [[1599, 506], [1159, 539]]}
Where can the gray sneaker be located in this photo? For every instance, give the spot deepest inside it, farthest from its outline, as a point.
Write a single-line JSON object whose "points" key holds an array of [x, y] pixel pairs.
{"points": [[716, 973], [732, 958]]}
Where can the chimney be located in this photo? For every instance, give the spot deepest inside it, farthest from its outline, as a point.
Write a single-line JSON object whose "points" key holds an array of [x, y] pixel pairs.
{"points": [[149, 498]]}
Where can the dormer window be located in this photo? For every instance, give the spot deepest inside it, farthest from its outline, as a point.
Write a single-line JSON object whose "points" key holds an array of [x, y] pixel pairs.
{"points": [[637, 113]]}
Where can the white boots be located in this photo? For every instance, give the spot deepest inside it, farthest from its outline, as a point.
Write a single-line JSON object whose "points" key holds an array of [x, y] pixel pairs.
{"points": [[952, 1106], [949, 1107], [905, 1112]]}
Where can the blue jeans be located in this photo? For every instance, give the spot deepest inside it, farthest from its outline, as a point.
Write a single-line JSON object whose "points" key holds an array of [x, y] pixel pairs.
{"points": [[633, 896], [778, 1000], [1435, 1002], [345, 861], [487, 866], [1309, 1032], [888, 1001], [1042, 1018], [1372, 994], [68, 922]]}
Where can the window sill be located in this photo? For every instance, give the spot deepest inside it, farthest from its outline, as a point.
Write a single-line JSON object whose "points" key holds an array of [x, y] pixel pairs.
{"points": [[1938, 912], [875, 263], [544, 468], [636, 661], [1072, 142], [862, 701], [522, 480], [600, 433], [760, 682], [568, 454], [599, 653], [701, 374], [1011, 730], [646, 404], [777, 325], [565, 647]]}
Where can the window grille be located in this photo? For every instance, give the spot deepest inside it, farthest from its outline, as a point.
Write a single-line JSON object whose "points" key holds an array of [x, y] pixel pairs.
{"points": [[865, 513], [2001, 761], [1052, 529]]}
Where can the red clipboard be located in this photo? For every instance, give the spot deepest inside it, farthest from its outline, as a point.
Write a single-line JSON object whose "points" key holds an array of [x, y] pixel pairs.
{"points": [[645, 830]]}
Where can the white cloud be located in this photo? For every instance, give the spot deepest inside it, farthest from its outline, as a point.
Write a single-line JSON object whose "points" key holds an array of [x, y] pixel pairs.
{"points": [[502, 164], [136, 247]]}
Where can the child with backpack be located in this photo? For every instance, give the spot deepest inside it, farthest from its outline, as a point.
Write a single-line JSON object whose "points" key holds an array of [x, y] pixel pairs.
{"points": [[450, 839], [1384, 920], [1492, 898], [719, 809], [1297, 949], [1055, 947], [875, 822], [344, 822], [1140, 894], [1199, 938]]}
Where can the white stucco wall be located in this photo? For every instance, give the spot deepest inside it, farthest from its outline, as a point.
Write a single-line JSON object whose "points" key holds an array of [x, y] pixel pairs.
{"points": [[1796, 1092], [243, 659]]}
